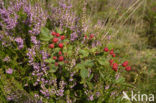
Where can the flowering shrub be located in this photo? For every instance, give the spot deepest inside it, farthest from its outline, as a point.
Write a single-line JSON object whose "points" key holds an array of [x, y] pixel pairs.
{"points": [[55, 65]]}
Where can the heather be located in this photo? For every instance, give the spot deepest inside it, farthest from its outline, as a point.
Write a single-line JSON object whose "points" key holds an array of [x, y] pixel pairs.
{"points": [[70, 51]]}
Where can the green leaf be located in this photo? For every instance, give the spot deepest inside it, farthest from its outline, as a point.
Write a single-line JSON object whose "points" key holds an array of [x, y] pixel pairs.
{"points": [[45, 34], [56, 50], [84, 73], [90, 85], [91, 76], [84, 53], [93, 50], [128, 85], [89, 63], [61, 63], [58, 31], [120, 80], [66, 41], [102, 74], [53, 68], [69, 52], [101, 61], [110, 46], [49, 61], [79, 66], [60, 101]]}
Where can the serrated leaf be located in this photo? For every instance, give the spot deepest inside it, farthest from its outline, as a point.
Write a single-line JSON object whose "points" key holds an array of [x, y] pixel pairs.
{"points": [[84, 53], [53, 68], [84, 73], [101, 74], [93, 50], [61, 63], [45, 34], [110, 46], [101, 61], [69, 52], [120, 80], [56, 49], [58, 31], [90, 84], [60, 101], [49, 61], [79, 66], [128, 85], [91, 76], [89, 63]]}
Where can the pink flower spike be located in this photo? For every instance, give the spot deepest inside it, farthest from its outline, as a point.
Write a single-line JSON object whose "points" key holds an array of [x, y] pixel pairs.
{"points": [[9, 71]]}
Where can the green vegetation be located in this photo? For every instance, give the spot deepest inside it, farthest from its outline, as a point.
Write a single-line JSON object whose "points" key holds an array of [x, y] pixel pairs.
{"points": [[52, 51]]}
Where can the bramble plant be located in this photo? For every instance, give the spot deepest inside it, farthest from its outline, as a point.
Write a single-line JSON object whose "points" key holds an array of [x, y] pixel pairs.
{"points": [[84, 70]]}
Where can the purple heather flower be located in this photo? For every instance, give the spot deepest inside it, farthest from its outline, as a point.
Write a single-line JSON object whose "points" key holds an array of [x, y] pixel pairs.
{"points": [[19, 41], [72, 74], [93, 44], [36, 66], [39, 101], [109, 37], [9, 98], [73, 36], [20, 46], [31, 53], [36, 18], [71, 79], [1, 36], [60, 92], [91, 98], [42, 92], [9, 71], [35, 84], [33, 73], [34, 40], [6, 59], [64, 16], [44, 56], [25, 85], [9, 18], [107, 87], [98, 43], [97, 94], [113, 93], [69, 101]]}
